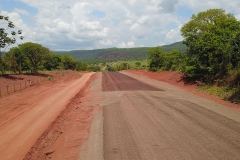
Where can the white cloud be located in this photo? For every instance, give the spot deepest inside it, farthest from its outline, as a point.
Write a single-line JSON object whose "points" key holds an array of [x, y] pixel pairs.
{"points": [[20, 11], [106, 42], [134, 26], [129, 44], [71, 25], [19, 25], [122, 45], [174, 35], [159, 34], [168, 6]]}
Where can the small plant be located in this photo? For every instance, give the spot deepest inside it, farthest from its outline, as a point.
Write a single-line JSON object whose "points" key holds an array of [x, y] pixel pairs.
{"points": [[49, 78]]}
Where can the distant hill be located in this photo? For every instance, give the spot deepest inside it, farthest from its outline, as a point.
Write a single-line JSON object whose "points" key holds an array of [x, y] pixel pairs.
{"points": [[119, 53]]}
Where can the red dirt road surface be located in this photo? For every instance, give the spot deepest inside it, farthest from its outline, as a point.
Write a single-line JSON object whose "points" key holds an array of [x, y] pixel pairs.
{"points": [[25, 115], [115, 116]]}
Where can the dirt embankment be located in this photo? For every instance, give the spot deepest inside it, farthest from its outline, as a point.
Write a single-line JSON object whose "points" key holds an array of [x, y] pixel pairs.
{"points": [[17, 82], [66, 134], [25, 115], [176, 79]]}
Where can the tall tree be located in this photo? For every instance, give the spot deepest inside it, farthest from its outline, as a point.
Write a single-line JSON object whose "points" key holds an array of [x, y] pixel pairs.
{"points": [[210, 36], [156, 58], [52, 61], [7, 34], [3, 66], [7, 37], [15, 59], [68, 62], [35, 53]]}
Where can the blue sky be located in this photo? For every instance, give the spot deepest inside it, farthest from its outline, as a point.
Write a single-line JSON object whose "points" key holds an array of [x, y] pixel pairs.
{"points": [[90, 24]]}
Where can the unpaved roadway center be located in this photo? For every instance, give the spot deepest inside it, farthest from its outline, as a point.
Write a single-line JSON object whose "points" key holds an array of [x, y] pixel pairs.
{"points": [[142, 122], [121, 116]]}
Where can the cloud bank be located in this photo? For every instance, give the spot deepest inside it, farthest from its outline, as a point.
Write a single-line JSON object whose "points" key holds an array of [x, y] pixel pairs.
{"points": [[90, 24]]}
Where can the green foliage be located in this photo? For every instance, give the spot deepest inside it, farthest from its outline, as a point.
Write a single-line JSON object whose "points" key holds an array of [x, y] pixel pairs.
{"points": [[7, 34], [172, 60], [52, 61], [34, 57], [35, 54], [15, 60], [159, 60], [190, 68], [233, 78], [122, 66], [110, 68], [68, 62], [225, 93], [3, 66], [49, 78], [138, 64], [155, 58], [213, 40], [113, 66], [94, 68], [80, 66], [213, 55]]}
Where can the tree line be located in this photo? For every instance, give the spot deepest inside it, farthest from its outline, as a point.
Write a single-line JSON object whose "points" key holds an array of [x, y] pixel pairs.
{"points": [[213, 53], [213, 41], [32, 57]]}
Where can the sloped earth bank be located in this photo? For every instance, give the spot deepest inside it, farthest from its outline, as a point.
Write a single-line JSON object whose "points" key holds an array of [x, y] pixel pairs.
{"points": [[67, 136], [25, 115], [176, 79]]}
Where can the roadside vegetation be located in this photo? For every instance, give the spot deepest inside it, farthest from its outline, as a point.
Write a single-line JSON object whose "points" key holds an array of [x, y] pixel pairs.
{"points": [[213, 54], [31, 57]]}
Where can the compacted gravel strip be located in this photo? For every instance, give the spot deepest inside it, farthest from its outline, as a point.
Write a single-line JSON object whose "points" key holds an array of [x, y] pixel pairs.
{"points": [[142, 124], [114, 81]]}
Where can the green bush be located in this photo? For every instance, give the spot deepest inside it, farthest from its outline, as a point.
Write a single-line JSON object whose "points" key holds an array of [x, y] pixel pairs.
{"points": [[49, 78]]}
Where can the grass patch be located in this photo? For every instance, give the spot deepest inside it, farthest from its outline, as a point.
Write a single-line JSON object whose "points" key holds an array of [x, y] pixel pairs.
{"points": [[221, 92], [49, 78]]}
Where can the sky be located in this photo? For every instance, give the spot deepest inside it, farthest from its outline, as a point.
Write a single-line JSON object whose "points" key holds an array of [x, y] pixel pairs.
{"points": [[96, 24]]}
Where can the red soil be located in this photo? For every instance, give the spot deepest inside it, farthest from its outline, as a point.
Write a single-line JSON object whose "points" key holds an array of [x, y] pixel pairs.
{"points": [[176, 79], [26, 114], [17, 82]]}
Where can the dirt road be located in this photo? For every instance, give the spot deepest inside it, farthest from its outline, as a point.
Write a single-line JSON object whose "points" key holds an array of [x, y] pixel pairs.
{"points": [[119, 116], [24, 116]]}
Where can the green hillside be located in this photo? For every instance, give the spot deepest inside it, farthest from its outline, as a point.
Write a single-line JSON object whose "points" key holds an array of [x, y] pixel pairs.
{"points": [[111, 54]]}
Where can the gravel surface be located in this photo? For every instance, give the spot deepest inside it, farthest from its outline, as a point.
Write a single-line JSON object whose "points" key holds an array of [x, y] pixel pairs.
{"points": [[167, 124]]}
